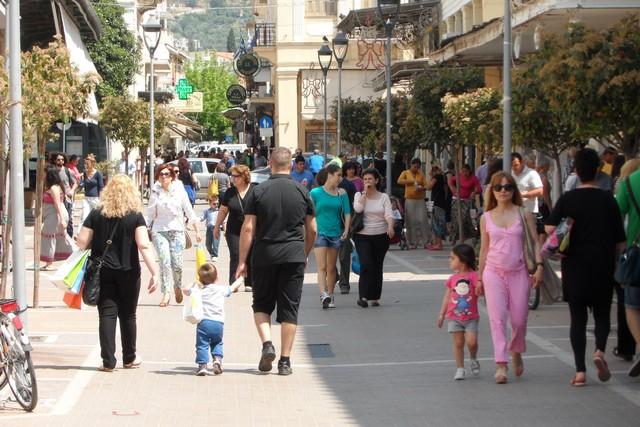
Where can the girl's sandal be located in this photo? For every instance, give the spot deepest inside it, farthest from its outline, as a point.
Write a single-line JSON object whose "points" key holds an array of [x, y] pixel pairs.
{"points": [[166, 297], [603, 368], [579, 382]]}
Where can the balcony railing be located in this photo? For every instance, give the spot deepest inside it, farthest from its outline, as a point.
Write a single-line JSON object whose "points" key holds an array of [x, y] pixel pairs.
{"points": [[320, 8], [265, 34]]}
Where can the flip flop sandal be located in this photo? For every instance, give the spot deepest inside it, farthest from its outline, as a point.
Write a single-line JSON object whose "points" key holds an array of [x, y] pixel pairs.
{"points": [[518, 365], [575, 382], [603, 368]]}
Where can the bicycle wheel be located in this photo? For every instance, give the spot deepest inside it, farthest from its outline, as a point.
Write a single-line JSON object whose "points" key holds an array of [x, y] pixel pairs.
{"points": [[20, 373], [534, 298]]}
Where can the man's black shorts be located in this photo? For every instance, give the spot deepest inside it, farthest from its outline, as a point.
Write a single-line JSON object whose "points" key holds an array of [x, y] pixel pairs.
{"points": [[281, 284]]}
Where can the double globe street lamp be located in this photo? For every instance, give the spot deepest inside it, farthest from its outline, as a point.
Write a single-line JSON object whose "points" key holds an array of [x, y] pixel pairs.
{"points": [[325, 56], [340, 46], [386, 6], [152, 32]]}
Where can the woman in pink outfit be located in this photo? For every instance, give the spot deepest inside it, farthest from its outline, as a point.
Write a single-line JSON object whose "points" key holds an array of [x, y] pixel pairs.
{"points": [[503, 272]]}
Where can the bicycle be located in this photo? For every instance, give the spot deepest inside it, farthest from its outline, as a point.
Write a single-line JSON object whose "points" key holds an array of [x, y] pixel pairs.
{"points": [[15, 357]]}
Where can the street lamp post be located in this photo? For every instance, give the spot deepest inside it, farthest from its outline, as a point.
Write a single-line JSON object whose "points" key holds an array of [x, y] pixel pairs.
{"points": [[389, 24], [325, 56], [152, 32], [340, 46], [506, 90]]}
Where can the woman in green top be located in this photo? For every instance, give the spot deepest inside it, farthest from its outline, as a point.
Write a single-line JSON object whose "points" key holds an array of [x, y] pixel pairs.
{"points": [[333, 215]]}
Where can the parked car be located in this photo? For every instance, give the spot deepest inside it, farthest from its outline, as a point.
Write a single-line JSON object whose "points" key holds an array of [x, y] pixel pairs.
{"points": [[202, 168], [260, 175]]}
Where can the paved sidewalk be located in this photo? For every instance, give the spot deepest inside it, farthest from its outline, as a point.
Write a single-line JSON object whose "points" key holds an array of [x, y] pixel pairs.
{"points": [[387, 366]]}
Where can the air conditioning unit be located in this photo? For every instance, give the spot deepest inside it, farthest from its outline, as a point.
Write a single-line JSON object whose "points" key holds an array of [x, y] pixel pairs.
{"points": [[450, 34], [264, 91]]}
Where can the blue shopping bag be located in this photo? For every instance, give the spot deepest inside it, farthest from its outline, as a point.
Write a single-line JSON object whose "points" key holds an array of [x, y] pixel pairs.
{"points": [[355, 261], [77, 284]]}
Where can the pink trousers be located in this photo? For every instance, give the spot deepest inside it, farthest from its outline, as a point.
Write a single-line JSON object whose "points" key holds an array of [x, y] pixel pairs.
{"points": [[507, 296]]}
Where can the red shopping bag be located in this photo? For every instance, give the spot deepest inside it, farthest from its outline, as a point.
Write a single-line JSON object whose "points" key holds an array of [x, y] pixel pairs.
{"points": [[73, 300]]}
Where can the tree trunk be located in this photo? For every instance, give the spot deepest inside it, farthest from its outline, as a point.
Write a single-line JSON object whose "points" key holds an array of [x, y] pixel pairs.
{"points": [[557, 192], [40, 174]]}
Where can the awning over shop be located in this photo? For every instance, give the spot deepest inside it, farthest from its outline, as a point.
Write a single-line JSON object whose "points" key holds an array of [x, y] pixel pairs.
{"points": [[426, 11]]}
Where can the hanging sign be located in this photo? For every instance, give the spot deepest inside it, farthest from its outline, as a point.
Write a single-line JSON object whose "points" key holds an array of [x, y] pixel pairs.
{"points": [[247, 64], [236, 94], [184, 89]]}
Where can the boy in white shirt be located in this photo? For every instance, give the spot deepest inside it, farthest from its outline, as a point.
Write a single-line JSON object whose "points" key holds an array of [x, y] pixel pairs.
{"points": [[210, 329]]}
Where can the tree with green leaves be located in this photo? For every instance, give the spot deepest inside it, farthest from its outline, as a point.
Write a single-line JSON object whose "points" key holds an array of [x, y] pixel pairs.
{"points": [[428, 90], [231, 41], [47, 71], [116, 54], [356, 121], [213, 80], [593, 83], [127, 121]]}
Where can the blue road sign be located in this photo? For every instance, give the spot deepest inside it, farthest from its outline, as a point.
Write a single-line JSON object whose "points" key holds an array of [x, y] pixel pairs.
{"points": [[266, 122]]}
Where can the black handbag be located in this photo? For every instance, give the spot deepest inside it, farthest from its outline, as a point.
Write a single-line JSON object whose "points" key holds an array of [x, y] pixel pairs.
{"points": [[91, 289], [628, 268]]}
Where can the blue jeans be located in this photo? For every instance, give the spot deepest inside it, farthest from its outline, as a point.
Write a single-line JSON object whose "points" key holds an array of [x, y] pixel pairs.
{"points": [[211, 242], [208, 338]]}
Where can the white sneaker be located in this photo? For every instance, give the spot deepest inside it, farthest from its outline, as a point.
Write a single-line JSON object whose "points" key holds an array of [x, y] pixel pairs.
{"points": [[332, 303], [460, 374], [325, 299], [475, 367]]}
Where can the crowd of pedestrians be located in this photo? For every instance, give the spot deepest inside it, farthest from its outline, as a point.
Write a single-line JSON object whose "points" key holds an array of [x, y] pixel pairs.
{"points": [[339, 211]]}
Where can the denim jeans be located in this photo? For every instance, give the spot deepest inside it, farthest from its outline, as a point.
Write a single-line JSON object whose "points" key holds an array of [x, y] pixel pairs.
{"points": [[208, 339], [211, 242]]}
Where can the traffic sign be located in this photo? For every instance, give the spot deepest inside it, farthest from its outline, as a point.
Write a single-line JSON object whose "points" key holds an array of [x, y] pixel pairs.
{"points": [[265, 122], [247, 64], [236, 94], [184, 89]]}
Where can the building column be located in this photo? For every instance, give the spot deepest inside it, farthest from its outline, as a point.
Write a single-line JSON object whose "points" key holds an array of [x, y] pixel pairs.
{"points": [[287, 110]]}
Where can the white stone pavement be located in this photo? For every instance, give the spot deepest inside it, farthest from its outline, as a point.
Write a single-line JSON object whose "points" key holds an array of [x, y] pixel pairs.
{"points": [[387, 366]]}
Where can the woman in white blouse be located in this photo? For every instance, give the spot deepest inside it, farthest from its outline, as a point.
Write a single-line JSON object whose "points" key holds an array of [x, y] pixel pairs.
{"points": [[372, 242], [168, 206]]}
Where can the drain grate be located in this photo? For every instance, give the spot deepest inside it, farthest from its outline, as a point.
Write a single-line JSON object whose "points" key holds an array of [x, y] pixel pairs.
{"points": [[320, 350]]}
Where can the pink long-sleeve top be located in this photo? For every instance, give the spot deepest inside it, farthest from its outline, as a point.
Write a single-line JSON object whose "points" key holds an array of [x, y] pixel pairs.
{"points": [[377, 211]]}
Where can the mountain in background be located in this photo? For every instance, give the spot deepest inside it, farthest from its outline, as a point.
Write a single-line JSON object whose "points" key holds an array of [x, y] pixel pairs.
{"points": [[210, 22]]}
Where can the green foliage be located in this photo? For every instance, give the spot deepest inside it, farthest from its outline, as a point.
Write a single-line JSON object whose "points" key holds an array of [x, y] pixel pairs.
{"points": [[356, 120], [231, 41], [212, 28], [593, 83], [127, 120], [213, 80], [117, 54], [429, 89], [475, 118]]}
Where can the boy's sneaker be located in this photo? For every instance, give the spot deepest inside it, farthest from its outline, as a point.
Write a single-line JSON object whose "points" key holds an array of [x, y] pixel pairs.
{"points": [[332, 303], [214, 259], [202, 370], [475, 367], [217, 365], [267, 358], [325, 299], [284, 368], [460, 374]]}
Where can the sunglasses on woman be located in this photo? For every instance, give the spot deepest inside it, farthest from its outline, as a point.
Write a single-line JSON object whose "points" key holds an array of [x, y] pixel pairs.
{"points": [[506, 187], [164, 174]]}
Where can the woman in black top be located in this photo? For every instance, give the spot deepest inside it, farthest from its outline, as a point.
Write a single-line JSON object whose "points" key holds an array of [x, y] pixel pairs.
{"points": [[587, 270], [437, 185], [188, 180], [233, 205], [121, 214]]}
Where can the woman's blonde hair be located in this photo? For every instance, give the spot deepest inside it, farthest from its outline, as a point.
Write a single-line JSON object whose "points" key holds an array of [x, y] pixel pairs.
{"points": [[497, 177], [242, 170], [120, 197]]}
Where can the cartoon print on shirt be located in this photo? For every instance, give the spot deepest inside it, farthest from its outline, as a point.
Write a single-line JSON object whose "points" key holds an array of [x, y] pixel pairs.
{"points": [[462, 298]]}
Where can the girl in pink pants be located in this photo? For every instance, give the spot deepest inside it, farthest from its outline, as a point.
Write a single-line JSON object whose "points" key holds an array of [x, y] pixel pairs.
{"points": [[505, 279]]}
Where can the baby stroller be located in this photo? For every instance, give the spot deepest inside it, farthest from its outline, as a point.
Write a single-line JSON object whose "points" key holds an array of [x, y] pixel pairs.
{"points": [[400, 235]]}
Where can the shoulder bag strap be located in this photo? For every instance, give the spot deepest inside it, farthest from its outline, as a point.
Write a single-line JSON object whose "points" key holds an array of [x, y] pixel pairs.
{"points": [[240, 201], [110, 240], [627, 183]]}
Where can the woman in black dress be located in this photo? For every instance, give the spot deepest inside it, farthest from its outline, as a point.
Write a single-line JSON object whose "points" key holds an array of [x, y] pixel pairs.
{"points": [[437, 185], [232, 209], [587, 271]]}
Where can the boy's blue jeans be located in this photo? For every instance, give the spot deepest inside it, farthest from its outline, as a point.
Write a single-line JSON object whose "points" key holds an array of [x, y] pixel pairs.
{"points": [[208, 338], [211, 243]]}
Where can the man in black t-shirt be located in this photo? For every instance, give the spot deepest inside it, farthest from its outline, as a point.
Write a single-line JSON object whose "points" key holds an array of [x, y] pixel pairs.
{"points": [[279, 214]]}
